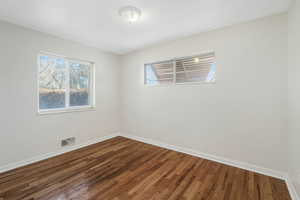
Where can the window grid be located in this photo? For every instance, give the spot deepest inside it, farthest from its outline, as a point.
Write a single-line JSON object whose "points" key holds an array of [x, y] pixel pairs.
{"points": [[193, 70], [91, 86]]}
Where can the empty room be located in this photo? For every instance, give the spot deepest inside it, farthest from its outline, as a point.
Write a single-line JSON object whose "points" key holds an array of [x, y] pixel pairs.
{"points": [[150, 100]]}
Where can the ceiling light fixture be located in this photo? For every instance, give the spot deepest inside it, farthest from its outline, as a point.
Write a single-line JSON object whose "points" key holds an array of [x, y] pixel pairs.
{"points": [[130, 14]]}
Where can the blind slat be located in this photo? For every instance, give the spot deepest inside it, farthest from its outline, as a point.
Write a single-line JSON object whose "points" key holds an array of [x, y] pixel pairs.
{"points": [[199, 68]]}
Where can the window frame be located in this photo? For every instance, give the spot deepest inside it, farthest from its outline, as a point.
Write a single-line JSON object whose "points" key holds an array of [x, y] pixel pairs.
{"points": [[68, 108], [174, 83]]}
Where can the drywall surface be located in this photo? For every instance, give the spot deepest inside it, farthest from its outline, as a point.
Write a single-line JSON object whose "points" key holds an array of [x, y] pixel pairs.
{"points": [[241, 117], [24, 134], [294, 94]]}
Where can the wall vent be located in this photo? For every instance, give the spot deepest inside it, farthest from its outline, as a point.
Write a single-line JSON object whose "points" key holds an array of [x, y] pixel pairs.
{"points": [[68, 142]]}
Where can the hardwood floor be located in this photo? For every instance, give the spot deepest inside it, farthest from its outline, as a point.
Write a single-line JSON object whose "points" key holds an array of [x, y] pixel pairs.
{"points": [[122, 169]]}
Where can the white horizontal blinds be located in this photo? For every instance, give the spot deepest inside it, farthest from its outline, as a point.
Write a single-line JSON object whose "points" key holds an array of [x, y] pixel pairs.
{"points": [[159, 73], [196, 69]]}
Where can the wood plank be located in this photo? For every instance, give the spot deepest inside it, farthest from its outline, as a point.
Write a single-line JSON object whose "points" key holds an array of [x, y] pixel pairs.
{"points": [[124, 169]]}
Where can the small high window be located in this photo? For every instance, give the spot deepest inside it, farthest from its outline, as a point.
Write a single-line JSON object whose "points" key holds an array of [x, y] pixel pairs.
{"points": [[195, 69], [64, 84]]}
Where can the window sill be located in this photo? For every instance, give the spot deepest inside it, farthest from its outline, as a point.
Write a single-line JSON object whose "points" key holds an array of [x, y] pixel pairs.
{"points": [[68, 110], [183, 84]]}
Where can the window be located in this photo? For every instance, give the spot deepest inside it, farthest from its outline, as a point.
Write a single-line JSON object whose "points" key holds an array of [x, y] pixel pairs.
{"points": [[64, 84], [196, 69]]}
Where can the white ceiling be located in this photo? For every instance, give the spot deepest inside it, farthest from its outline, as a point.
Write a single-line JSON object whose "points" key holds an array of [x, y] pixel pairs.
{"points": [[97, 23]]}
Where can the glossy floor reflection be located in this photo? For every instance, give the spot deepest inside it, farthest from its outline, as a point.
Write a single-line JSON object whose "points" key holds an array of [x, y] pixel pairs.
{"points": [[121, 169]]}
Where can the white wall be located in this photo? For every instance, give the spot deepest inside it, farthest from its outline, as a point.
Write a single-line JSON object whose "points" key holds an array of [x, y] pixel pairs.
{"points": [[23, 133], [241, 117], [294, 93]]}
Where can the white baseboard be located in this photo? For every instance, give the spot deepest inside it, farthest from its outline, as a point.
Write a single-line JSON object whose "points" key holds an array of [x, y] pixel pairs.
{"points": [[234, 163], [242, 165], [52, 154], [292, 188], [250, 167]]}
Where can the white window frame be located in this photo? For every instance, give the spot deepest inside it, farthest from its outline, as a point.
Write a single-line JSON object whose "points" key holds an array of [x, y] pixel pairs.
{"points": [[68, 108], [174, 83]]}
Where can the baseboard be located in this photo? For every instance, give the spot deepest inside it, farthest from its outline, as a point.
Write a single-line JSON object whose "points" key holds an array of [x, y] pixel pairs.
{"points": [[242, 165], [52, 154], [292, 189]]}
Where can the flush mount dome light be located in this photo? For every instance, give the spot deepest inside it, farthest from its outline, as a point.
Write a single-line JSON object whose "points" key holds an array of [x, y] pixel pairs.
{"points": [[130, 14]]}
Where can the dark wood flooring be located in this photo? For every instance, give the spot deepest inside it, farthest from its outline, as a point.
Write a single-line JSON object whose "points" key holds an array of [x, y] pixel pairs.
{"points": [[122, 169]]}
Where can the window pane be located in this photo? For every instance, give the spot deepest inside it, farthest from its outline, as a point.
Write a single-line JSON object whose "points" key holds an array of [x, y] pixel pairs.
{"points": [[52, 78], [196, 69], [79, 84], [159, 73]]}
